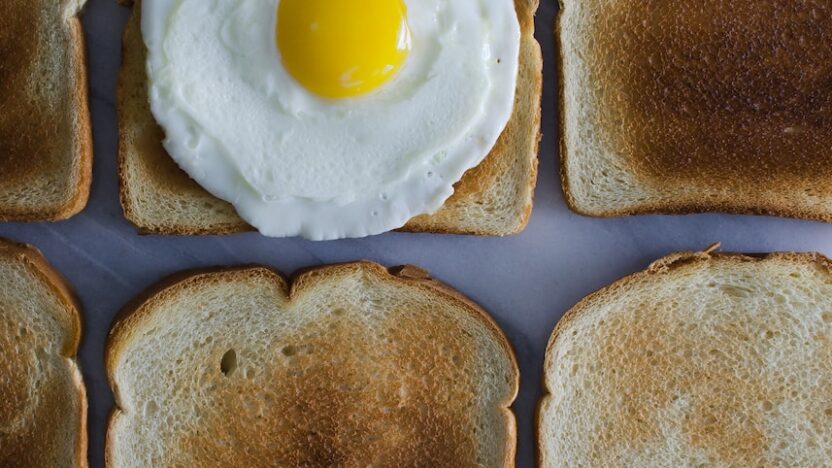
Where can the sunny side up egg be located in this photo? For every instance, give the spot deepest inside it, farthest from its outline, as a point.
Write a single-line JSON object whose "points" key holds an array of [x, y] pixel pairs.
{"points": [[330, 118]]}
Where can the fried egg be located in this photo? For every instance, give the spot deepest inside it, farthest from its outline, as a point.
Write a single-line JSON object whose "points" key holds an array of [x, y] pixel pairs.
{"points": [[330, 118]]}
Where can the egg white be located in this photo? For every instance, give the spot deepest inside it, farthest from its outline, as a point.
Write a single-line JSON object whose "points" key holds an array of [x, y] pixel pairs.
{"points": [[295, 164]]}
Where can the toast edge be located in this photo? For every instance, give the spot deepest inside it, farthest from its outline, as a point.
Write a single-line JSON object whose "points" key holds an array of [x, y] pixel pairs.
{"points": [[662, 266], [561, 126], [739, 207], [32, 257], [83, 124], [429, 225], [134, 311]]}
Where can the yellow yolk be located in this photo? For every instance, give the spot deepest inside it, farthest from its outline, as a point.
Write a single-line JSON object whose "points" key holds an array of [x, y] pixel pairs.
{"points": [[342, 48]]}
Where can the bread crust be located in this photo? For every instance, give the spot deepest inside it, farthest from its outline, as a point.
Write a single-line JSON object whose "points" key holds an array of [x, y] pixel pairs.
{"points": [[663, 266], [83, 125], [478, 206], [140, 308], [80, 175], [747, 157], [52, 279]]}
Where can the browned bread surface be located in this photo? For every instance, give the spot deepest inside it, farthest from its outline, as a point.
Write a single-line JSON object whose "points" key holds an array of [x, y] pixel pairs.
{"points": [[691, 105], [701, 360], [43, 406], [45, 136], [495, 198], [347, 365]]}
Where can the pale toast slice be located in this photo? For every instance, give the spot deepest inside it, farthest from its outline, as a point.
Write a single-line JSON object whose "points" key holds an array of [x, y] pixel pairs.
{"points": [[45, 129], [703, 359], [495, 198], [347, 365], [43, 405], [687, 106]]}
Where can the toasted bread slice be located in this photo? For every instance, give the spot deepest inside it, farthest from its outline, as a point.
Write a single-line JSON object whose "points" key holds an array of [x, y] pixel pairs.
{"points": [[495, 198], [691, 106], [43, 404], [45, 131], [702, 360], [350, 365]]}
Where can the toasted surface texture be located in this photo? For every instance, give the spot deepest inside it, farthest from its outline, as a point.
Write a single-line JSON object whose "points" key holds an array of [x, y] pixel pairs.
{"points": [[43, 406], [494, 198], [691, 105], [350, 365], [701, 360], [45, 136]]}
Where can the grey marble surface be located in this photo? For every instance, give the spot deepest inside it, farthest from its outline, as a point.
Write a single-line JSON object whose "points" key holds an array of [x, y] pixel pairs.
{"points": [[527, 281]]}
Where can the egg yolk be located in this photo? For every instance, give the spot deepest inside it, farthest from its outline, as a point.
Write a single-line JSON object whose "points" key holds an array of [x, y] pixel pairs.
{"points": [[342, 48]]}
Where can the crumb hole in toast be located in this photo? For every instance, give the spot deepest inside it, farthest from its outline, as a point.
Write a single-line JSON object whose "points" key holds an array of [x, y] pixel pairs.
{"points": [[150, 408], [228, 363], [339, 311], [289, 351], [826, 317]]}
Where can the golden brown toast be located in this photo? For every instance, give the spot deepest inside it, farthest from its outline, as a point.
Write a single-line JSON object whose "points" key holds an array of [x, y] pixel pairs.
{"points": [[346, 365], [703, 359], [495, 198], [45, 135], [690, 105], [43, 405]]}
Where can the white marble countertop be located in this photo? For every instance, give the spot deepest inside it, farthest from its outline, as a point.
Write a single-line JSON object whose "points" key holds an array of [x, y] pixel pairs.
{"points": [[527, 281]]}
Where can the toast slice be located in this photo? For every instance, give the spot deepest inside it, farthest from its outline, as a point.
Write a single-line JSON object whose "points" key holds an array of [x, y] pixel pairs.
{"points": [[349, 365], [45, 130], [494, 198], [43, 404], [701, 360], [688, 106]]}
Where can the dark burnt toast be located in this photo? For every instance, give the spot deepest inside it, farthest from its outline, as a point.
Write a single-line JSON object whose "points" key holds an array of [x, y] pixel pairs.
{"points": [[45, 136], [685, 106]]}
